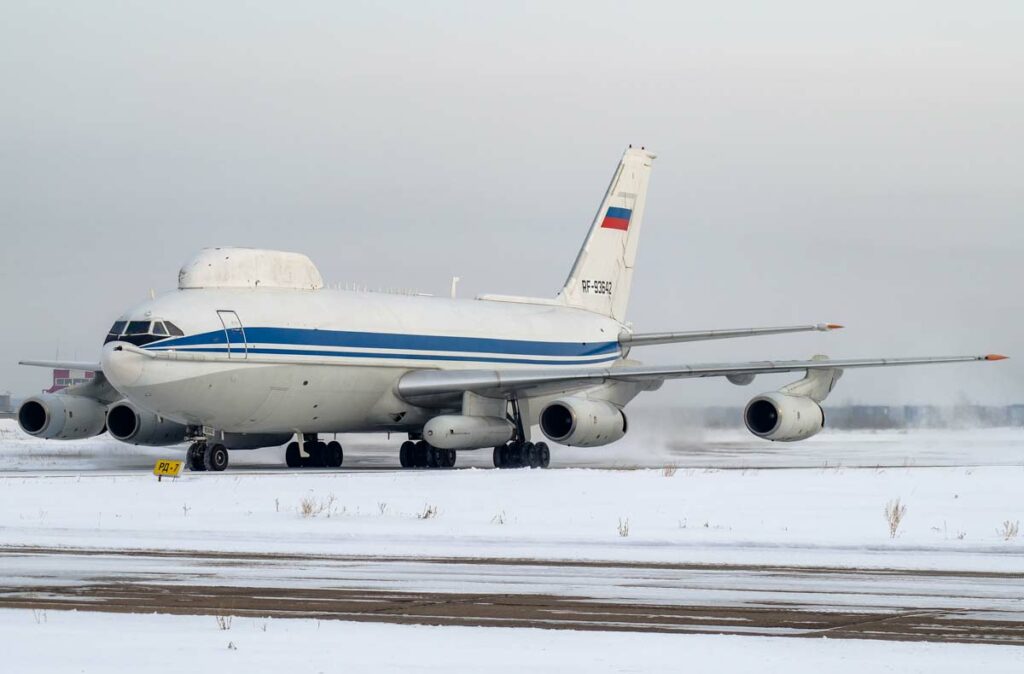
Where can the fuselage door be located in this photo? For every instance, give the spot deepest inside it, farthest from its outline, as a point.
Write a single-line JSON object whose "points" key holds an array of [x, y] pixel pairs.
{"points": [[234, 334]]}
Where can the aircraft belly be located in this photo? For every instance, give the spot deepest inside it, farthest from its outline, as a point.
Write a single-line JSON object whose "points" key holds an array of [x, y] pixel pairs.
{"points": [[251, 397]]}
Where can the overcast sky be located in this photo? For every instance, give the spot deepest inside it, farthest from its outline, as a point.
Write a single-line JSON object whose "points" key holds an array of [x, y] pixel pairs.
{"points": [[860, 164]]}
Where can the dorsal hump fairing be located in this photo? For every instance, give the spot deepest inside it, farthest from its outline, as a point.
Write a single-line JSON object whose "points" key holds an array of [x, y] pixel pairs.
{"points": [[249, 268], [601, 278]]}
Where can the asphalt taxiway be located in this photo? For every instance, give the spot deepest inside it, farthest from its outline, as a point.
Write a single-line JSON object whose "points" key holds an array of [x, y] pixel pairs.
{"points": [[816, 602]]}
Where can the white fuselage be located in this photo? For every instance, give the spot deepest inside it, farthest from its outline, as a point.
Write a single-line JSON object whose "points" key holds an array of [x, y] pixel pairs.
{"points": [[319, 361]]}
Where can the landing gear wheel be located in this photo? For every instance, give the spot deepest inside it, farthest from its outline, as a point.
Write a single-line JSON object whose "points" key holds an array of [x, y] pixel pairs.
{"points": [[515, 455], [532, 458], [291, 455], [519, 455], [216, 458], [314, 460], [437, 457], [309, 448], [334, 455], [422, 454], [449, 458], [544, 454], [407, 453], [194, 457]]}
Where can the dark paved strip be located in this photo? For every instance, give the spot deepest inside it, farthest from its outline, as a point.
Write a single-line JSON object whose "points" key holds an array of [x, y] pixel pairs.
{"points": [[800, 601], [274, 557], [504, 610]]}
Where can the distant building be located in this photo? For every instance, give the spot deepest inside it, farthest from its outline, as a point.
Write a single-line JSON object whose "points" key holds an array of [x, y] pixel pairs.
{"points": [[1015, 415], [65, 378], [867, 416]]}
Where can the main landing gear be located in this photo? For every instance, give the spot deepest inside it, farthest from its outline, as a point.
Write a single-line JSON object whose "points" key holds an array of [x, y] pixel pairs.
{"points": [[422, 455], [202, 455], [314, 454], [520, 452]]}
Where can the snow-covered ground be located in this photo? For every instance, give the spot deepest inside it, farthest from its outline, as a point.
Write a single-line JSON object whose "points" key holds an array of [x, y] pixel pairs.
{"points": [[962, 493], [823, 516], [55, 642], [652, 442]]}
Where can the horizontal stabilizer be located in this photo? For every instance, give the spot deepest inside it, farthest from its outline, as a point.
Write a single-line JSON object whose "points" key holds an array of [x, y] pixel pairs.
{"points": [[518, 299], [649, 338]]}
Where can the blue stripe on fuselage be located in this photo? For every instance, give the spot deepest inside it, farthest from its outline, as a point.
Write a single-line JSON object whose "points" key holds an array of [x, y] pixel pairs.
{"points": [[383, 340], [400, 356]]}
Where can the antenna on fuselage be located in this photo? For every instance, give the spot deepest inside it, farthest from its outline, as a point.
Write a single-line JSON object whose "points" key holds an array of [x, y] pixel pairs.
{"points": [[455, 285]]}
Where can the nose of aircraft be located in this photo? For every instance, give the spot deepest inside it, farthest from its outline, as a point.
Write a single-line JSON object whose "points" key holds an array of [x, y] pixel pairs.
{"points": [[121, 366]]}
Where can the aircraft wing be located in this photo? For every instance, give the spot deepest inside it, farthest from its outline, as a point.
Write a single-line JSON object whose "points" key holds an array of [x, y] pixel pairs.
{"points": [[64, 364], [648, 338], [426, 386]]}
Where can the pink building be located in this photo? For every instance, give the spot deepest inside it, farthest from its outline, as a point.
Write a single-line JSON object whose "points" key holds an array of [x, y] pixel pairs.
{"points": [[65, 378]]}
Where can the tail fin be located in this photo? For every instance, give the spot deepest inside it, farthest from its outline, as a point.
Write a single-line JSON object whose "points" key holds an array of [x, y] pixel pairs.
{"points": [[601, 278]]}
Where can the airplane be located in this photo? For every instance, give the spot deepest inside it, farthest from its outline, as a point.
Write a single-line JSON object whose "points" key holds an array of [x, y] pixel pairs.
{"points": [[252, 350]]}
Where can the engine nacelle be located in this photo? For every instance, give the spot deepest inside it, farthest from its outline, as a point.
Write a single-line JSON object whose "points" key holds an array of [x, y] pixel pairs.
{"points": [[128, 423], [783, 417], [62, 417], [579, 422], [458, 431]]}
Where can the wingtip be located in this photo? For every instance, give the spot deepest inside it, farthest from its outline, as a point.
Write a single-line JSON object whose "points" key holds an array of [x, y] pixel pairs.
{"points": [[834, 326], [996, 356]]}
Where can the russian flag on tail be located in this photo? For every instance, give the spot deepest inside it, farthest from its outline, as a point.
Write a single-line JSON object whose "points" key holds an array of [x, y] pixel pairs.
{"points": [[617, 218]]}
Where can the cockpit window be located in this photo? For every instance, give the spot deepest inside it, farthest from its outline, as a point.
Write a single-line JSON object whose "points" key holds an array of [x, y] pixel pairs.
{"points": [[115, 331], [142, 332]]}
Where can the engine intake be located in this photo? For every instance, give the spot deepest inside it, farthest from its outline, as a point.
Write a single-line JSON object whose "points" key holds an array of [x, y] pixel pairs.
{"points": [[62, 417], [579, 422], [783, 417], [128, 423]]}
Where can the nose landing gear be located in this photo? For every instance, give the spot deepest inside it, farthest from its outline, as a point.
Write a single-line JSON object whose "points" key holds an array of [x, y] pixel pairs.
{"points": [[203, 456]]}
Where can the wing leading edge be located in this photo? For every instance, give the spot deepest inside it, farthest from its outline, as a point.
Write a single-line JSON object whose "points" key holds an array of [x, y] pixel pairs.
{"points": [[650, 338], [422, 386], [64, 365]]}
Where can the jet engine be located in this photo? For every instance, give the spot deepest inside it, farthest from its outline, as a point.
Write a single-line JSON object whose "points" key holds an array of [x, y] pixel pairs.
{"points": [[128, 423], [579, 422], [62, 416], [783, 417]]}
